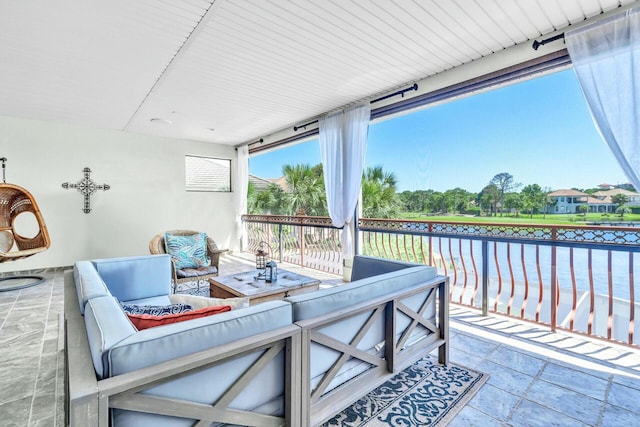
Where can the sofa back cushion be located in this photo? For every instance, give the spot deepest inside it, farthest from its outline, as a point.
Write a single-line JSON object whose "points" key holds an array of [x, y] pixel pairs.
{"points": [[106, 325], [324, 301], [134, 278], [88, 283], [367, 266]]}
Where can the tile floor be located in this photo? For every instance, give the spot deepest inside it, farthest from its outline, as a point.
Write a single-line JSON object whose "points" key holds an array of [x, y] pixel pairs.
{"points": [[537, 378], [31, 354], [540, 378]]}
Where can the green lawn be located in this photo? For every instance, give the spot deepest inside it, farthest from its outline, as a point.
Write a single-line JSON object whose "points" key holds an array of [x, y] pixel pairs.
{"points": [[537, 219]]}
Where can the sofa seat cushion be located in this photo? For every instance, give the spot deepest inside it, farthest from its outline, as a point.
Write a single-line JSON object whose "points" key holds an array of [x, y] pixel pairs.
{"points": [[145, 321], [195, 272]]}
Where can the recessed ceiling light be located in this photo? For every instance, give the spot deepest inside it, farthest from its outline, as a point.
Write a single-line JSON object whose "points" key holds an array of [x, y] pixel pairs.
{"points": [[211, 129], [160, 120]]}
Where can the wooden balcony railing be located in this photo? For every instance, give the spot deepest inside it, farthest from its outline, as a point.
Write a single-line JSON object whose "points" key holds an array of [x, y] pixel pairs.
{"points": [[576, 278]]}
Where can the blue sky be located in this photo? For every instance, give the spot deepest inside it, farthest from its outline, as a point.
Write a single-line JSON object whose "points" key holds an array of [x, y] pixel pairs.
{"points": [[540, 131]]}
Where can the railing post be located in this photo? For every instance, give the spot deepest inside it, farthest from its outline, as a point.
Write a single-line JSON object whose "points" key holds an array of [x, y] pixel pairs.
{"points": [[554, 288], [431, 263], [485, 278], [280, 242], [244, 232], [554, 282], [301, 245], [356, 242]]}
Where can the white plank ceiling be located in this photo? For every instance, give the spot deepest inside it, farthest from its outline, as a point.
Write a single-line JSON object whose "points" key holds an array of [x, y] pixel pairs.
{"points": [[233, 71]]}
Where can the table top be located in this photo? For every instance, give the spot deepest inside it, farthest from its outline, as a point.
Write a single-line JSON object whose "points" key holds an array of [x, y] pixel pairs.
{"points": [[246, 284]]}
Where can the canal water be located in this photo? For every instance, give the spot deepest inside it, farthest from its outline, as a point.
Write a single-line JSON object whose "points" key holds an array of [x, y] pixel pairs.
{"points": [[534, 267]]}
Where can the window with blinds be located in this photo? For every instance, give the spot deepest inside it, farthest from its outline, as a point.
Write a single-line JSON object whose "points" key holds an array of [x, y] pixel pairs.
{"points": [[207, 174]]}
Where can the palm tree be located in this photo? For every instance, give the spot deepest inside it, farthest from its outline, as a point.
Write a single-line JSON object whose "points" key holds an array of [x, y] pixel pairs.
{"points": [[305, 195], [251, 198], [379, 198]]}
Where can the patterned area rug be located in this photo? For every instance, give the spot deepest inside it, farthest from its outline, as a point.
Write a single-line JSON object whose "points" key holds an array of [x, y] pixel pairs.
{"points": [[424, 394]]}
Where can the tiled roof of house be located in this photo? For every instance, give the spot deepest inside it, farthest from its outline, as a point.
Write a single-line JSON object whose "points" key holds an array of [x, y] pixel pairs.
{"points": [[282, 182], [594, 201], [614, 191], [258, 182], [262, 183], [565, 193]]}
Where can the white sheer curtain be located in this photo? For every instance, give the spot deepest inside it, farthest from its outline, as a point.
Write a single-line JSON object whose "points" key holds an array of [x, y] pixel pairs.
{"points": [[606, 59], [343, 145], [240, 191]]}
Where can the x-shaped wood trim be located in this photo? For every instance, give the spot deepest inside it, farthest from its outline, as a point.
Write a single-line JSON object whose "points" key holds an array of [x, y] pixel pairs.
{"points": [[206, 414], [347, 350], [416, 319]]}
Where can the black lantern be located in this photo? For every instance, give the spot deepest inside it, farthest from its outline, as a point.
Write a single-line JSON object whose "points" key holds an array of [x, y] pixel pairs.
{"points": [[262, 256], [271, 272]]}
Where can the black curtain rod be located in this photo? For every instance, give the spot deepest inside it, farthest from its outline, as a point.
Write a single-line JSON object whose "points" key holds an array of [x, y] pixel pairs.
{"points": [[537, 44], [304, 126], [400, 92], [252, 143]]}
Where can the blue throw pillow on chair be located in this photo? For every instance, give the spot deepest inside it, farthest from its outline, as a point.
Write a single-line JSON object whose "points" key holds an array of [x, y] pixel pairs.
{"points": [[187, 251]]}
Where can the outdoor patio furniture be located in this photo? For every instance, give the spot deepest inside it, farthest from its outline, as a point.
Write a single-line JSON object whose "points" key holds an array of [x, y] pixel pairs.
{"points": [[294, 362], [14, 201], [185, 275]]}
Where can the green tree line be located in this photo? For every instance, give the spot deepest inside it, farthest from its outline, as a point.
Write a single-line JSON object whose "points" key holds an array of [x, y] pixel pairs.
{"points": [[304, 194]]}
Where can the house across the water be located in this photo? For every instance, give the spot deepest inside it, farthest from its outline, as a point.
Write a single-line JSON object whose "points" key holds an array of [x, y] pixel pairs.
{"points": [[569, 201]]}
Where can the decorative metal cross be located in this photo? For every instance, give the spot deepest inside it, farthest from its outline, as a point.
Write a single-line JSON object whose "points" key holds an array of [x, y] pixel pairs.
{"points": [[87, 187]]}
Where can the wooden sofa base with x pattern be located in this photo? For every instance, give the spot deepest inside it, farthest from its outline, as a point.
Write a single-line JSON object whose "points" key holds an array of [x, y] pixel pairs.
{"points": [[319, 405]]}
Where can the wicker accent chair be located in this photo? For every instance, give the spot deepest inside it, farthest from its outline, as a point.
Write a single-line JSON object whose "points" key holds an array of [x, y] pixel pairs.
{"points": [[157, 246], [15, 200]]}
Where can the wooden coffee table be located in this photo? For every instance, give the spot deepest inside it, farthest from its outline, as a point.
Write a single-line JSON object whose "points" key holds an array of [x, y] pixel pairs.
{"points": [[246, 285]]}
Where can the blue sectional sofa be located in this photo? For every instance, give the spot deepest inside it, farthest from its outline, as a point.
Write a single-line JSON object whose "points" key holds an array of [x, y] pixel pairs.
{"points": [[294, 362]]}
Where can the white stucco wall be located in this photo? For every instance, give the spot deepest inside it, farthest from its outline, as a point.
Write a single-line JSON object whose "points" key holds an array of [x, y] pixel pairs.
{"points": [[147, 194]]}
